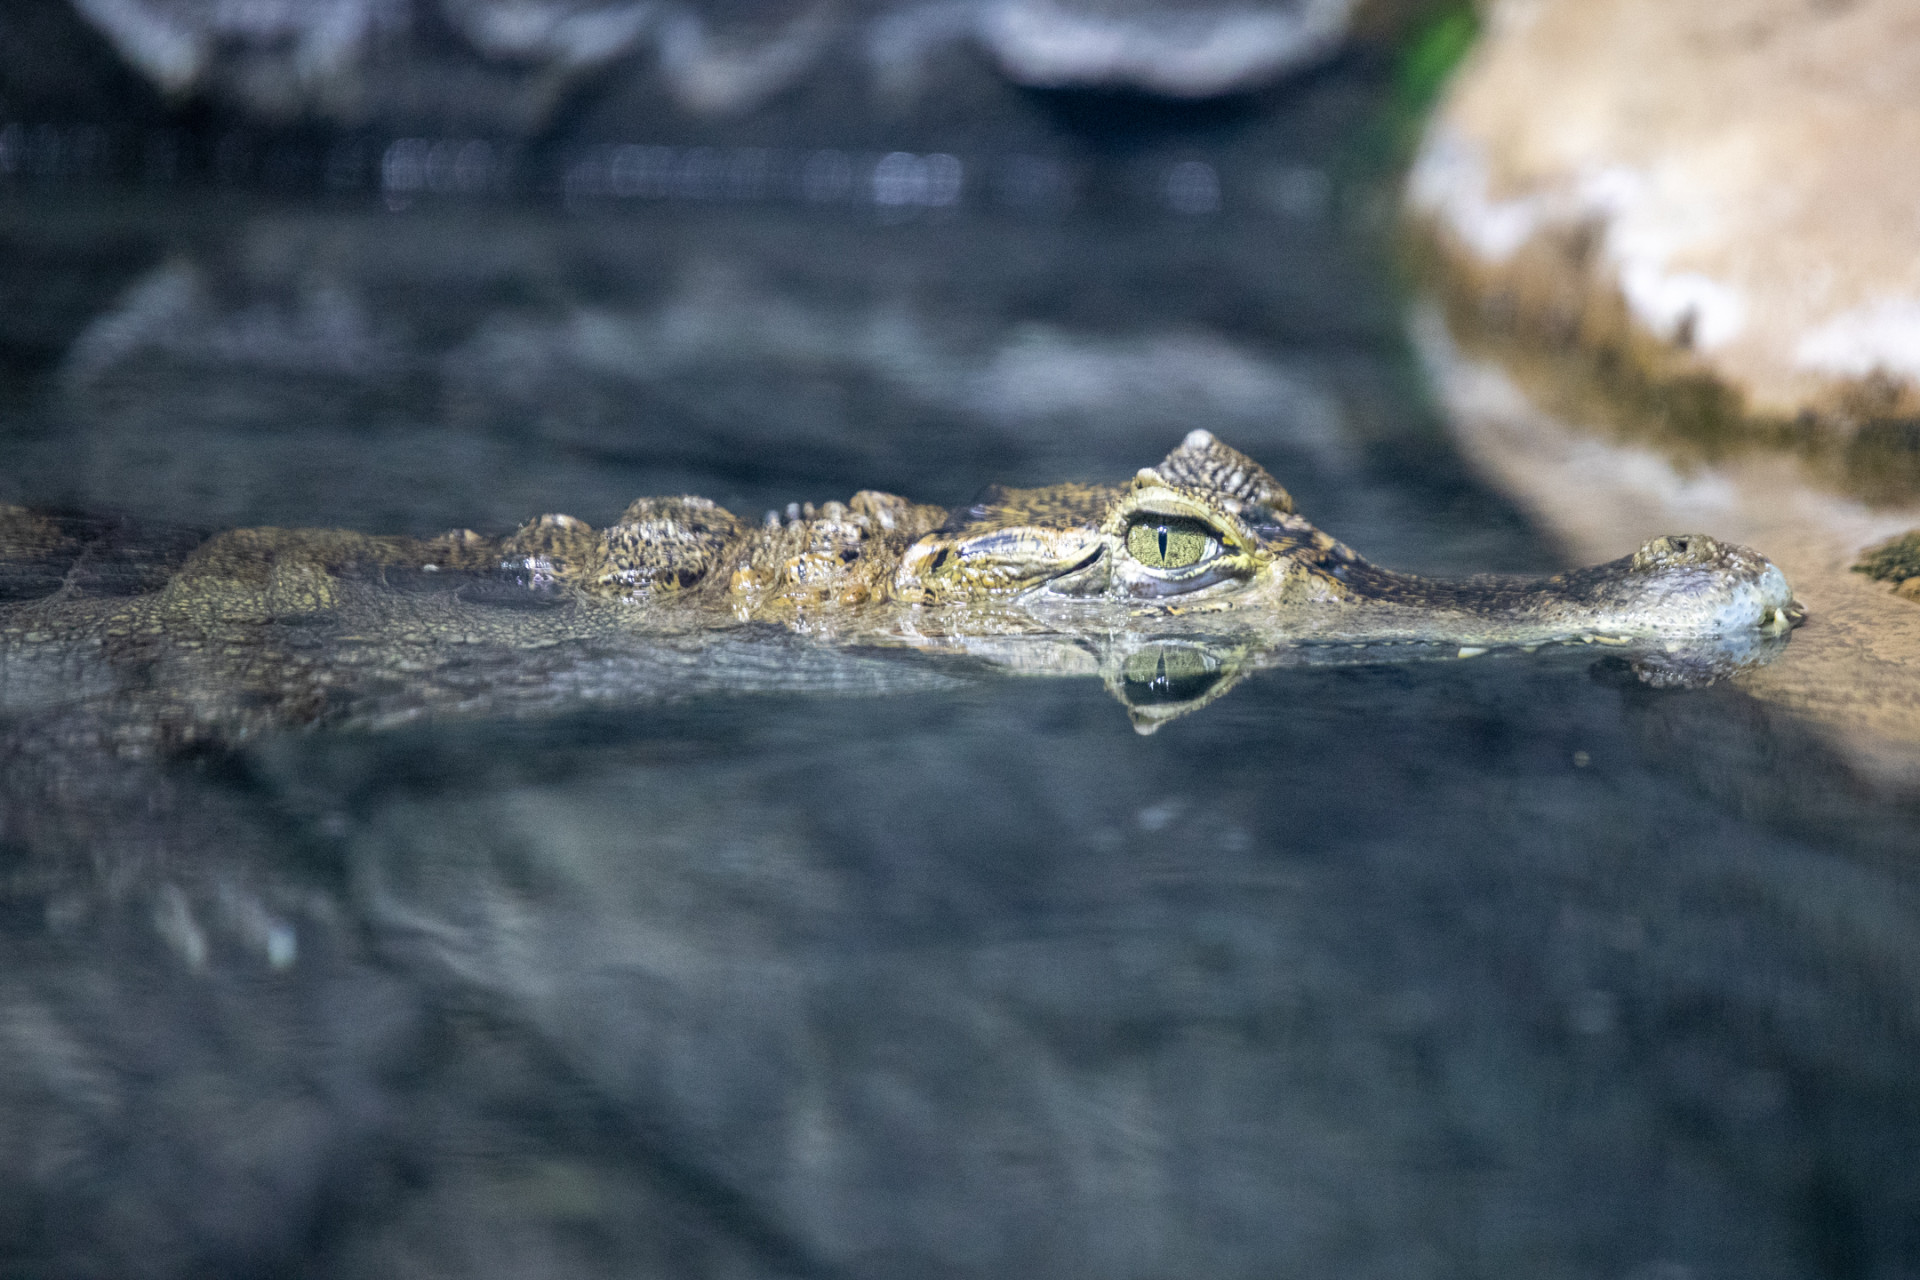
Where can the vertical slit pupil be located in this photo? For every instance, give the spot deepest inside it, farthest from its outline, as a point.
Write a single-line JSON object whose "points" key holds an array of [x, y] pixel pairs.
{"points": [[1163, 543]]}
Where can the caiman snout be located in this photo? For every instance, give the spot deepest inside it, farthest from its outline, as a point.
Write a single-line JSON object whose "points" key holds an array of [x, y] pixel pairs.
{"points": [[1728, 588]]}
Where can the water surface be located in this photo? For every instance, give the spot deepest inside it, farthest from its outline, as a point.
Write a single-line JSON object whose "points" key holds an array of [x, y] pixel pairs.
{"points": [[1508, 966]]}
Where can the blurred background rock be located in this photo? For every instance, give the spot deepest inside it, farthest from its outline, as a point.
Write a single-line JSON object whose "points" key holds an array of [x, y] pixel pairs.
{"points": [[528, 68]]}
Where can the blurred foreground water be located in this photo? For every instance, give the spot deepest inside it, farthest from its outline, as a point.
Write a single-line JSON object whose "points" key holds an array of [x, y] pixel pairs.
{"points": [[1500, 967]]}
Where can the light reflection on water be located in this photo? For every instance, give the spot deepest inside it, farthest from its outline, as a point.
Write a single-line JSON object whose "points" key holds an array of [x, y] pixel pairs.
{"points": [[1508, 966], [472, 368]]}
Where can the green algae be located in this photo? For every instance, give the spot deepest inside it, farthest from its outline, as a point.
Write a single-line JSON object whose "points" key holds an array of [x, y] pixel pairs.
{"points": [[1431, 54], [1895, 560], [1421, 45]]}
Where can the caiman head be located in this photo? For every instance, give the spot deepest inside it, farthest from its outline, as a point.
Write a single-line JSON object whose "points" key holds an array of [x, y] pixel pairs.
{"points": [[1208, 531]]}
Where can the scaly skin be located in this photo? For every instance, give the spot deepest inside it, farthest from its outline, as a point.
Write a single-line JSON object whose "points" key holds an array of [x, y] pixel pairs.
{"points": [[1168, 587]]}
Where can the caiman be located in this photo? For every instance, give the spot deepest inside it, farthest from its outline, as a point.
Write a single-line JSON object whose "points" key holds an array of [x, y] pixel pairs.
{"points": [[1168, 586]]}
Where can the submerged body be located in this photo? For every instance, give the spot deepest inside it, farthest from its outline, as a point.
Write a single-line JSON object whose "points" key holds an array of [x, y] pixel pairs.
{"points": [[1167, 586]]}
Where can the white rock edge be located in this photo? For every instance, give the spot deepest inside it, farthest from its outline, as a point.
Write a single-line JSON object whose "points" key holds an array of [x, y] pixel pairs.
{"points": [[1643, 229]]}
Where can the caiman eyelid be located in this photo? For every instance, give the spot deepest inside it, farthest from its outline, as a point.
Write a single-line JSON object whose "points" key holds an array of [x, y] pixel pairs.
{"points": [[1171, 511], [1150, 499]]}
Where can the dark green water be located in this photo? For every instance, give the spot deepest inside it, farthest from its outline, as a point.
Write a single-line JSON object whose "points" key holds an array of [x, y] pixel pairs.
{"points": [[1505, 967]]}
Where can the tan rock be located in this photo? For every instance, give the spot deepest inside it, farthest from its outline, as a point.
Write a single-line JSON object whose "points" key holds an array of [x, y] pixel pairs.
{"points": [[1728, 187]]}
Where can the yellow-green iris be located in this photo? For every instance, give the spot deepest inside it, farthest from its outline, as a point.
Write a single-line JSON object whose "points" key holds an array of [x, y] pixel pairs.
{"points": [[1168, 542]]}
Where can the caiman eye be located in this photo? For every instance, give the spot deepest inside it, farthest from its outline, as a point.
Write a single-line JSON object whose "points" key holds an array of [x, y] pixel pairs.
{"points": [[1170, 542]]}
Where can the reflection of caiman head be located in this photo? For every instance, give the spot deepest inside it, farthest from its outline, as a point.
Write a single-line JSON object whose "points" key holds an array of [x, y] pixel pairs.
{"points": [[1209, 531]]}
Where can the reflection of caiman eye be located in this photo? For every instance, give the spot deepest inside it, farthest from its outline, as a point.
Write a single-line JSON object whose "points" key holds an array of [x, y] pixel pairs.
{"points": [[1169, 673], [1170, 542]]}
